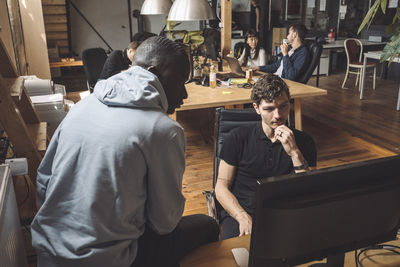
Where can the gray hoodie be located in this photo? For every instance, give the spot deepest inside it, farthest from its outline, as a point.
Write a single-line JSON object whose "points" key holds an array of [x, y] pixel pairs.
{"points": [[114, 164]]}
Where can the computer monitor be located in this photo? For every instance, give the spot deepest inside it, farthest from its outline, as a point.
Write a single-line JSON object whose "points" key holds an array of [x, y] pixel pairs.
{"points": [[325, 213]]}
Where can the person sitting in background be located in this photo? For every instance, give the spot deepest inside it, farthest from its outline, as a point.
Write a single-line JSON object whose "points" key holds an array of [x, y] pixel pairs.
{"points": [[119, 60], [253, 55], [294, 61], [269, 148]]}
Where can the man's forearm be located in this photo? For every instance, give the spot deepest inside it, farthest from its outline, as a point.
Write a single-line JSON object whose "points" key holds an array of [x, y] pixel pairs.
{"points": [[299, 163], [229, 202]]}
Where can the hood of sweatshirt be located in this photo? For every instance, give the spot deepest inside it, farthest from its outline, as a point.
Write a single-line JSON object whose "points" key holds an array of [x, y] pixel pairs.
{"points": [[133, 88]]}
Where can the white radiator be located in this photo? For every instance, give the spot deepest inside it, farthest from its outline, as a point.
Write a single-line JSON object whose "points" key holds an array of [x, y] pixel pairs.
{"points": [[12, 251]]}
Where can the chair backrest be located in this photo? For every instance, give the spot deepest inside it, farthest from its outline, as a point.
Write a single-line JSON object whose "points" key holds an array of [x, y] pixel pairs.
{"points": [[93, 62], [315, 50], [354, 50], [225, 121], [238, 49]]}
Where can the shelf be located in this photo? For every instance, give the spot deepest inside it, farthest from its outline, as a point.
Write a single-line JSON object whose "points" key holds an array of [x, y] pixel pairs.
{"points": [[16, 86], [38, 133]]}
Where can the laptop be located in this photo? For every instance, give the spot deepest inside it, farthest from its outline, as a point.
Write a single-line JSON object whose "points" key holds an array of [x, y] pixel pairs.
{"points": [[235, 66], [236, 70]]}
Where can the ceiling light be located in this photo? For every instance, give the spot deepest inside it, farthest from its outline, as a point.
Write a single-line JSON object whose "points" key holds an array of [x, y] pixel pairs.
{"points": [[156, 7], [183, 10]]}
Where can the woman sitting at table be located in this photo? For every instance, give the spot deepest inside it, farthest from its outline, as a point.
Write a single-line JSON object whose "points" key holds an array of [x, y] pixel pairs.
{"points": [[253, 55]]}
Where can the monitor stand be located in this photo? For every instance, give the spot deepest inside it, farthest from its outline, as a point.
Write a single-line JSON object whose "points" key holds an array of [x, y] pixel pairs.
{"points": [[333, 260]]}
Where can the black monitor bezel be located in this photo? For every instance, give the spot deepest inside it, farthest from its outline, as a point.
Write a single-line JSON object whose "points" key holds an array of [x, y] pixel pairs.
{"points": [[296, 185]]}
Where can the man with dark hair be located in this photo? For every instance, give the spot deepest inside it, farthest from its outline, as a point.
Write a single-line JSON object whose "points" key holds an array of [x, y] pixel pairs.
{"points": [[295, 61], [119, 60], [266, 149], [110, 184]]}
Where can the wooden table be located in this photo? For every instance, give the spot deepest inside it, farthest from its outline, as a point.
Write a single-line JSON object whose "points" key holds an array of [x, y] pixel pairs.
{"points": [[340, 44], [219, 254], [206, 97], [61, 64], [375, 55]]}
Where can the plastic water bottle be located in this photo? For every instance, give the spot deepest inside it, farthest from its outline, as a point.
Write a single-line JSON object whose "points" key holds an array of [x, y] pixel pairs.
{"points": [[213, 76]]}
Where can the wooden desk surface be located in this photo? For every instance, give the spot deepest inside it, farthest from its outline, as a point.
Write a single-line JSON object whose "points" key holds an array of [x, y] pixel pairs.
{"points": [[60, 64], [219, 254], [206, 97]]}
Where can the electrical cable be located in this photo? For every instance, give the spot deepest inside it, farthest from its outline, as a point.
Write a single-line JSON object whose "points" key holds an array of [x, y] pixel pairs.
{"points": [[28, 192], [391, 248]]}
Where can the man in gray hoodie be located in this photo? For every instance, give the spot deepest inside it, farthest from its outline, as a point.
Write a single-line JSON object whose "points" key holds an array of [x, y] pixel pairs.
{"points": [[110, 184]]}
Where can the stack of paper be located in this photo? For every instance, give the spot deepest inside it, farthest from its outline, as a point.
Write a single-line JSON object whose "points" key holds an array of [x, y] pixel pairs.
{"points": [[51, 109]]}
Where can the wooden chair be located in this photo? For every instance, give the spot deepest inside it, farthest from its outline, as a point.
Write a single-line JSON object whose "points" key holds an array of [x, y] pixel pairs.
{"points": [[355, 62]]}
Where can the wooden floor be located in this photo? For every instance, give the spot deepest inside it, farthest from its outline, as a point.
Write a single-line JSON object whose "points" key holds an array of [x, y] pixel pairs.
{"points": [[344, 128]]}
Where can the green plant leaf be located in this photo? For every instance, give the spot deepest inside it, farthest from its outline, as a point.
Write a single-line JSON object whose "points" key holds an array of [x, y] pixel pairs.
{"points": [[392, 49], [383, 6], [396, 16], [370, 15]]}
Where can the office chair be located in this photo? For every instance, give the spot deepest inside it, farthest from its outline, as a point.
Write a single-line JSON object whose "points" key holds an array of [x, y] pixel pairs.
{"points": [[315, 50], [93, 62], [225, 121], [238, 49], [351, 46]]}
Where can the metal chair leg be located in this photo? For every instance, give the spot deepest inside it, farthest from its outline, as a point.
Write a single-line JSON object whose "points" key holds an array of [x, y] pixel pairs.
{"points": [[345, 77], [358, 76], [373, 84]]}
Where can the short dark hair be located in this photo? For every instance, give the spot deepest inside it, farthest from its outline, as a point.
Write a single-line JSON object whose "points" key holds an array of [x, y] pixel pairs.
{"points": [[300, 29], [141, 36], [157, 51], [269, 87]]}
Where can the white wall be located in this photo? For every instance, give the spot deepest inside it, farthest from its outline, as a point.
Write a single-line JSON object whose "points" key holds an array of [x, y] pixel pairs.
{"points": [[110, 18], [35, 38]]}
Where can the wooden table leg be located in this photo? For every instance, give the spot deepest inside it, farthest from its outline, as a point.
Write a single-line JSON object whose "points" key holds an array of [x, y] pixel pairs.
{"points": [[297, 114]]}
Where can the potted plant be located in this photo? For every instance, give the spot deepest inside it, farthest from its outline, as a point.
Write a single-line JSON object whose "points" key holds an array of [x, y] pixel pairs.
{"points": [[392, 49]]}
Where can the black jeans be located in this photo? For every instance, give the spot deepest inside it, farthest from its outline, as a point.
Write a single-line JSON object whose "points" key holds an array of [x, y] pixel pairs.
{"points": [[167, 250], [229, 227]]}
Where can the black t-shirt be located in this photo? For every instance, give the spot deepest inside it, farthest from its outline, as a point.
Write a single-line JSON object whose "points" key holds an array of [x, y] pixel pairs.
{"points": [[115, 63], [255, 157]]}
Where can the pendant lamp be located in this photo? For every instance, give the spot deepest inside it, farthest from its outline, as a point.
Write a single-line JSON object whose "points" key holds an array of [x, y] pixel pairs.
{"points": [[156, 7], [184, 10]]}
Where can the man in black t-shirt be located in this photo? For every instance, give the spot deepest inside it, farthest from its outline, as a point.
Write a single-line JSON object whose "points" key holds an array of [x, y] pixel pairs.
{"points": [[119, 61], [267, 149]]}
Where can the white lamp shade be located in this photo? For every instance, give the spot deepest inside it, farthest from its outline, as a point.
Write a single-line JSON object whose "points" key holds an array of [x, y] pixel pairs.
{"points": [[183, 10], [156, 7]]}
